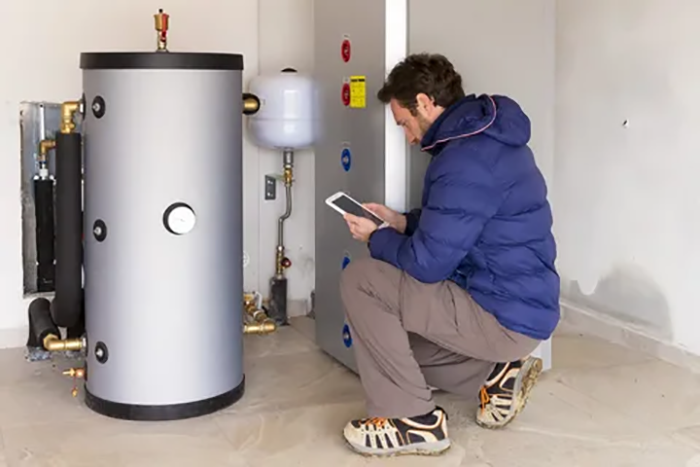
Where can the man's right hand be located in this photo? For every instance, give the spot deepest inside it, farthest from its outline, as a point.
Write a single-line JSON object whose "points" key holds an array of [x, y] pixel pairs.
{"points": [[394, 219]]}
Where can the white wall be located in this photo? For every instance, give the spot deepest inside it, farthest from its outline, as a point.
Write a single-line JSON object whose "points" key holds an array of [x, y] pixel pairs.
{"points": [[519, 63], [624, 198], [627, 216], [40, 62]]}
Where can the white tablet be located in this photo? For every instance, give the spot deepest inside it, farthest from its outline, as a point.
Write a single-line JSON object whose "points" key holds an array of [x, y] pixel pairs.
{"points": [[342, 203]]}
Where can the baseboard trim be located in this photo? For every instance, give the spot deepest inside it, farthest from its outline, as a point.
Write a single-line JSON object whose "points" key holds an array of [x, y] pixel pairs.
{"points": [[14, 337], [575, 320], [297, 308], [586, 322]]}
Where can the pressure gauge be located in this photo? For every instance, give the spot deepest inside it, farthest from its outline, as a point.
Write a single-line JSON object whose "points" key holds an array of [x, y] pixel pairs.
{"points": [[179, 219]]}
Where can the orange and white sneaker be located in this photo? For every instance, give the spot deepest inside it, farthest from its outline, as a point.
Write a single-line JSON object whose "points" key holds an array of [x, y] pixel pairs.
{"points": [[424, 435], [506, 392]]}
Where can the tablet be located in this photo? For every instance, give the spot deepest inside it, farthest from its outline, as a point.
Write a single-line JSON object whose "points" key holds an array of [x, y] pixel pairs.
{"points": [[344, 204]]}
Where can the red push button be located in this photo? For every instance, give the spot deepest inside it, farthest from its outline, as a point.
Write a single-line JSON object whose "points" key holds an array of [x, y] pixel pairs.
{"points": [[346, 50], [345, 94]]}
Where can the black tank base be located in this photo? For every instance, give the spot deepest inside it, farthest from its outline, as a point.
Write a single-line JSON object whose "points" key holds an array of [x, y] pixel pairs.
{"points": [[161, 413]]}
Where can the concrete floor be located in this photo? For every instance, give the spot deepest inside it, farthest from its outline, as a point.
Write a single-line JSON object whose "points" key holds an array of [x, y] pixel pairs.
{"points": [[601, 406]]}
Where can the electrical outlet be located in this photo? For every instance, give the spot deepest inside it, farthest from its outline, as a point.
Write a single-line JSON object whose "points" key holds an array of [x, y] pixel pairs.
{"points": [[270, 187]]}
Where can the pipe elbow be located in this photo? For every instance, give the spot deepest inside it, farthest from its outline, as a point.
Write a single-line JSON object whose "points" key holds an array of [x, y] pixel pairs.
{"points": [[68, 111], [52, 343]]}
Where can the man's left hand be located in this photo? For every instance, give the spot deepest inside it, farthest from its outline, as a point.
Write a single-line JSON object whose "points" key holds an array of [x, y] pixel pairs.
{"points": [[360, 227]]}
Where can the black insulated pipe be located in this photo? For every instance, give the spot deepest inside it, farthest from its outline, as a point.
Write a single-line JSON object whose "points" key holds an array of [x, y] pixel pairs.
{"points": [[78, 329], [67, 303], [278, 301], [40, 323], [45, 251]]}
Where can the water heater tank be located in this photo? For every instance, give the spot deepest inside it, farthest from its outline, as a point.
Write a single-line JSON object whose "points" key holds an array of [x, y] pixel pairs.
{"points": [[285, 118], [163, 233]]}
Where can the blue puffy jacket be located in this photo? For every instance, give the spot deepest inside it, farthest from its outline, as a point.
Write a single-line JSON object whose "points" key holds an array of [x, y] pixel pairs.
{"points": [[485, 221]]}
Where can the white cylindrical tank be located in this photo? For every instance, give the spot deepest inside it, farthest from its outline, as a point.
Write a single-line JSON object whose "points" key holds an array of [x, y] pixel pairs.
{"points": [[285, 118]]}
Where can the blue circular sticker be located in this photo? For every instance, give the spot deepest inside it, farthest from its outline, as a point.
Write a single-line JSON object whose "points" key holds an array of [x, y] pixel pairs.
{"points": [[347, 337], [346, 159], [346, 261]]}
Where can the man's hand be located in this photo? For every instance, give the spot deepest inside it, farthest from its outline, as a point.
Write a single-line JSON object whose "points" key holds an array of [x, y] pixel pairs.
{"points": [[393, 218], [360, 227]]}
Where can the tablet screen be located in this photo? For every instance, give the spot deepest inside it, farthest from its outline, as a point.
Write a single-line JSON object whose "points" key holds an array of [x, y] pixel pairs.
{"points": [[351, 207]]}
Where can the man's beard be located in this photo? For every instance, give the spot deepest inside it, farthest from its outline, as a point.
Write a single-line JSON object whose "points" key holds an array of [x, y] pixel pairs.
{"points": [[424, 125]]}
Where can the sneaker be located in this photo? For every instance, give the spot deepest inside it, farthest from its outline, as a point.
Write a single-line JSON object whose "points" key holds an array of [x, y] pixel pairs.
{"points": [[506, 392], [423, 435]]}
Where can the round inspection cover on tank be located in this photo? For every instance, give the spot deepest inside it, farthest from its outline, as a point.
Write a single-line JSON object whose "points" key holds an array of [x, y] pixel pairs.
{"points": [[99, 230], [179, 219], [99, 107], [101, 352]]}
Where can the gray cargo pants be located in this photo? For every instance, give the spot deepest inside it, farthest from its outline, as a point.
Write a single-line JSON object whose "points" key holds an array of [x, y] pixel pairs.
{"points": [[409, 336]]}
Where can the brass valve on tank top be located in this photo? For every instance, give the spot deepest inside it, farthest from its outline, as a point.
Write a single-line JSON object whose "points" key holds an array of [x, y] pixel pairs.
{"points": [[162, 21]]}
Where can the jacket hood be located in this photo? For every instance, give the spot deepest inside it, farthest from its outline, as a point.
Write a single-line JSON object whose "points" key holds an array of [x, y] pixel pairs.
{"points": [[497, 117]]}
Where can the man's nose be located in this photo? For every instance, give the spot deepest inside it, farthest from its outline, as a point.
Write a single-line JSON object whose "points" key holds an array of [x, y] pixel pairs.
{"points": [[409, 136]]}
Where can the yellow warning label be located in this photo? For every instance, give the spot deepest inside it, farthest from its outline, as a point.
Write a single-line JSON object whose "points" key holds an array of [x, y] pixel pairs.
{"points": [[358, 92]]}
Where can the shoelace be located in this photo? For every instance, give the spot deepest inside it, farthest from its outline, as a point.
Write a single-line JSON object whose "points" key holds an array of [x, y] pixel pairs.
{"points": [[376, 422], [485, 398]]}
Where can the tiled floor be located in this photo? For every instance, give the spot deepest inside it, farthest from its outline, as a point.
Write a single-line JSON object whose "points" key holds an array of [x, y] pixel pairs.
{"points": [[602, 406]]}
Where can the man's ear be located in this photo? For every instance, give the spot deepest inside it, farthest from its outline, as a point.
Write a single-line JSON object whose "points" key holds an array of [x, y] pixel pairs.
{"points": [[424, 102]]}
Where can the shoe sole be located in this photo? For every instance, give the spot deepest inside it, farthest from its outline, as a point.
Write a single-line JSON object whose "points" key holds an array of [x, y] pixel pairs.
{"points": [[532, 368], [419, 449]]}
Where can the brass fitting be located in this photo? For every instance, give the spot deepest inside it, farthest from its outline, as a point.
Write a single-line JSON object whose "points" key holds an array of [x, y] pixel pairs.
{"points": [[282, 263], [75, 373], [266, 327], [68, 111], [288, 176], [251, 103], [256, 314], [248, 299], [53, 344], [279, 260], [44, 147], [162, 23]]}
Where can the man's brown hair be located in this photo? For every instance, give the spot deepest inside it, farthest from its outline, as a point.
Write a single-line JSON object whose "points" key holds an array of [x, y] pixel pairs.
{"points": [[429, 74]]}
